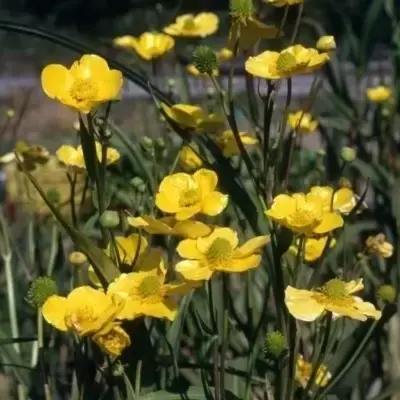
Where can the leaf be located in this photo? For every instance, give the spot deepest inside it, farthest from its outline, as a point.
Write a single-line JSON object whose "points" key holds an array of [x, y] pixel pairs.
{"points": [[4, 342], [193, 393], [89, 150], [105, 268], [389, 391], [395, 196]]}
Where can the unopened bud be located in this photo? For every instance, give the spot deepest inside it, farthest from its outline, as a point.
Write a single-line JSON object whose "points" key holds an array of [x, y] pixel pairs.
{"points": [[348, 154], [109, 219], [326, 43], [275, 344], [77, 258], [205, 59], [387, 293], [243, 8], [40, 290]]}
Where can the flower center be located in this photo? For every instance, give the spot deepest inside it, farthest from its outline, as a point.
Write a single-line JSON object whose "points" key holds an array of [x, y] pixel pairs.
{"points": [[149, 287], [219, 251], [189, 23], [303, 217], [83, 90], [189, 197], [335, 289], [83, 315], [286, 62]]}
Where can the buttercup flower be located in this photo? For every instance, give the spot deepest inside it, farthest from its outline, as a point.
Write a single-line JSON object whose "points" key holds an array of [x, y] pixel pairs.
{"points": [[188, 159], [302, 122], [85, 311], [326, 43], [114, 342], [378, 244], [343, 201], [304, 371], [146, 293], [192, 70], [225, 54], [73, 157], [313, 247], [187, 195], [194, 117], [304, 214], [291, 61], [218, 252], [335, 296], [379, 94], [282, 3], [169, 226], [227, 143], [88, 83], [148, 45], [190, 25]]}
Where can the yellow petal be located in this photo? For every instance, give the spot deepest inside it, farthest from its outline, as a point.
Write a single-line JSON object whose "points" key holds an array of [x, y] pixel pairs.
{"points": [[263, 65], [129, 246], [206, 180], [92, 66], [241, 264], [166, 309], [330, 222], [54, 310], [215, 203], [180, 288], [354, 286], [367, 308], [188, 249], [282, 206], [253, 245], [193, 270], [114, 341], [174, 184], [152, 261], [228, 234], [188, 212], [191, 229], [110, 86], [350, 311], [55, 80], [302, 305], [167, 203]]}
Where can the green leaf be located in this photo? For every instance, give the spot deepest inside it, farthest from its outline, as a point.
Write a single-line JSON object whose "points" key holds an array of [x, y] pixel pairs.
{"points": [[193, 393], [89, 150], [105, 268]]}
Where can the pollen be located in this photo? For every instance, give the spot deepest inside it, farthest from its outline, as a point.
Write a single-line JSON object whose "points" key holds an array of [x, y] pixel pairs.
{"points": [[189, 197], [286, 62], [150, 287], [84, 90], [335, 289], [219, 251]]}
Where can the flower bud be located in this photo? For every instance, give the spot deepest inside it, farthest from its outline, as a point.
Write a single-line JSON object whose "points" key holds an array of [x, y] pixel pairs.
{"points": [[160, 143], [243, 8], [205, 60], [40, 290], [326, 43], [109, 219], [348, 154], [53, 196], [77, 258], [146, 142], [136, 182], [387, 293], [10, 113], [275, 344], [142, 188]]}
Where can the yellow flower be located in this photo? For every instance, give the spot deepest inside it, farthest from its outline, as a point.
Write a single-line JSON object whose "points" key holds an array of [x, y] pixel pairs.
{"points": [[225, 54], [148, 45], [344, 199], [227, 142], [246, 31], [88, 83], [169, 226], [85, 311], [146, 293], [73, 157], [304, 371], [326, 43], [378, 244], [190, 25], [302, 122], [114, 341], [188, 159], [304, 214], [291, 61], [379, 94], [218, 252], [313, 247], [192, 70], [187, 195], [334, 296], [194, 117]]}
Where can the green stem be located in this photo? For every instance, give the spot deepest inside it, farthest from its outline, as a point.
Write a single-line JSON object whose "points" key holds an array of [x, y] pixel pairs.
{"points": [[225, 333], [72, 181], [47, 391], [297, 23]]}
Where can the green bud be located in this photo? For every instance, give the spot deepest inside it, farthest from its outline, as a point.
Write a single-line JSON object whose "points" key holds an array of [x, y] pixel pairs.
{"points": [[40, 290], [77, 258], [146, 142], [348, 154], [275, 344], [160, 143], [321, 153], [118, 369], [205, 59], [387, 293], [109, 219], [171, 83], [136, 182], [53, 195], [244, 8], [142, 188]]}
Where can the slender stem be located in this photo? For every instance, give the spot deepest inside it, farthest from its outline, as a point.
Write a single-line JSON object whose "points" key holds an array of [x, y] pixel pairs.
{"points": [[53, 247], [297, 23], [72, 181], [47, 391], [138, 379], [211, 306], [225, 333]]}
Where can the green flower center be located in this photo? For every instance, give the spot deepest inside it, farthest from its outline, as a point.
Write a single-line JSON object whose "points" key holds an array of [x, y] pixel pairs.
{"points": [[335, 289], [219, 251], [286, 62], [149, 287], [189, 197], [83, 90]]}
